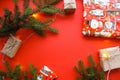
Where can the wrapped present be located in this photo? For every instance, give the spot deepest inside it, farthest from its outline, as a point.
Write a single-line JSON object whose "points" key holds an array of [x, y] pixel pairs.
{"points": [[46, 74], [101, 18], [69, 6], [110, 58], [11, 46]]}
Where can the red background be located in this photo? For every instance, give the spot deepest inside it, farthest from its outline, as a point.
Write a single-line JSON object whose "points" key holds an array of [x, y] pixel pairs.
{"points": [[60, 52]]}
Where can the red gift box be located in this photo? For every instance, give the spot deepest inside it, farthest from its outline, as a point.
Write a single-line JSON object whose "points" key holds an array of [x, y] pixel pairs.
{"points": [[101, 18]]}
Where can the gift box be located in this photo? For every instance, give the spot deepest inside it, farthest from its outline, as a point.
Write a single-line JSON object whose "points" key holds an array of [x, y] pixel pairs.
{"points": [[110, 58], [46, 74], [69, 6], [101, 18], [11, 46]]}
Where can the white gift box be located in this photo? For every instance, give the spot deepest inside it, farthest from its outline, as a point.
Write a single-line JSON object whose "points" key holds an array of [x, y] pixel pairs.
{"points": [[11, 46], [69, 6], [110, 58]]}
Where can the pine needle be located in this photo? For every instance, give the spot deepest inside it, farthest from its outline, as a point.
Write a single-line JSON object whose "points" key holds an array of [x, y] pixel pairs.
{"points": [[91, 72], [33, 72], [91, 61], [26, 4], [11, 23], [9, 69]]}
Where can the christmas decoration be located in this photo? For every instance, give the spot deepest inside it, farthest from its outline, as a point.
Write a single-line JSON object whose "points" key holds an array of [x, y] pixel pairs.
{"points": [[17, 73], [91, 72], [11, 46], [101, 18], [10, 23], [110, 58], [46, 74], [69, 6]]}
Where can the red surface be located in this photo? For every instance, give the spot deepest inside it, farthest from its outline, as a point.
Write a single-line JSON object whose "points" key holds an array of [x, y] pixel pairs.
{"points": [[62, 51]]}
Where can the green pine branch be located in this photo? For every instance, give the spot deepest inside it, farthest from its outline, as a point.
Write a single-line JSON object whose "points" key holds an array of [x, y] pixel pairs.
{"points": [[8, 67], [11, 23], [1, 78], [17, 74], [12, 74], [26, 4], [54, 2], [2, 73], [91, 72], [25, 75], [51, 10], [33, 71]]}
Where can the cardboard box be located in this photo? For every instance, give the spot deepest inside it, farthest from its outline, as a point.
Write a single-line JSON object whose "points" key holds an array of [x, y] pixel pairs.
{"points": [[110, 58], [11, 46], [69, 6]]}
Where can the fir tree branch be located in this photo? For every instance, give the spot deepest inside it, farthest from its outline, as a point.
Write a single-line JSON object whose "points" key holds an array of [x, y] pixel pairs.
{"points": [[25, 4], [51, 29], [51, 10], [7, 12], [16, 14], [9, 69], [90, 72], [2, 73], [78, 78], [28, 11], [39, 28], [45, 2], [54, 2], [91, 61], [38, 4], [11, 23], [81, 67], [17, 73], [102, 75], [25, 75], [17, 70], [48, 21], [15, 2], [1, 78], [33, 72]]}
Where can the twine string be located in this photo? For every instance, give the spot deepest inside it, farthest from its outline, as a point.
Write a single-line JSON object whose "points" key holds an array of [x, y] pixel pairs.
{"points": [[2, 57], [67, 5], [108, 73], [28, 37]]}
